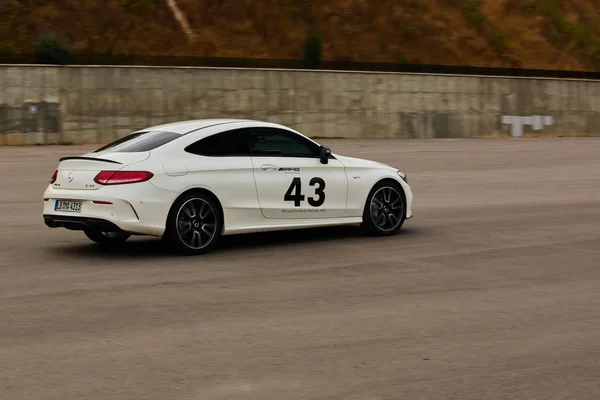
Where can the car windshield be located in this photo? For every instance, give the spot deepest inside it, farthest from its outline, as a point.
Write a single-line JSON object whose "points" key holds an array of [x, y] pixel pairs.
{"points": [[140, 141]]}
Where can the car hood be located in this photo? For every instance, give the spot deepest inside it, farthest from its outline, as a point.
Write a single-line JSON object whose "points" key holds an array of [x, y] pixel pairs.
{"points": [[359, 162]]}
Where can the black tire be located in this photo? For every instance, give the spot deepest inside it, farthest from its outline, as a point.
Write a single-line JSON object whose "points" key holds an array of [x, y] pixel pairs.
{"points": [[106, 238], [194, 224], [388, 218]]}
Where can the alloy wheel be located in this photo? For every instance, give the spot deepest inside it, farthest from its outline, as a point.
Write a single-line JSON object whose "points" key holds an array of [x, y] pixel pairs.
{"points": [[387, 208], [196, 223]]}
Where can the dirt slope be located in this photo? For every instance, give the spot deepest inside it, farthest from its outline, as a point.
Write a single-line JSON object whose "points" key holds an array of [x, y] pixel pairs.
{"points": [[552, 34]]}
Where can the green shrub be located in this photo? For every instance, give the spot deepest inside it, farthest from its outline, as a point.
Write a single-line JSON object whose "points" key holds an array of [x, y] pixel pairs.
{"points": [[529, 7], [499, 42], [578, 34], [313, 49], [291, 6], [6, 51], [401, 58], [557, 17], [472, 12], [560, 29], [553, 9], [593, 52], [51, 50], [136, 5]]}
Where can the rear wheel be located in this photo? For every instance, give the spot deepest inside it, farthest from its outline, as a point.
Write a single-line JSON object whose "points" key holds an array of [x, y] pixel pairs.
{"points": [[106, 238], [384, 212], [193, 224]]}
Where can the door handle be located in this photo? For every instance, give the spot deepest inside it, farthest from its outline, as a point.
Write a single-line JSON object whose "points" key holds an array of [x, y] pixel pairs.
{"points": [[268, 167]]}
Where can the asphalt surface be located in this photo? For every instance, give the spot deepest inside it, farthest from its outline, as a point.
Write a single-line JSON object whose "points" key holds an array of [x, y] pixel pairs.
{"points": [[491, 291]]}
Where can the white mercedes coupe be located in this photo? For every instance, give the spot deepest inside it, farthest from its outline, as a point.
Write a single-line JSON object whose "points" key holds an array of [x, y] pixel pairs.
{"points": [[191, 182]]}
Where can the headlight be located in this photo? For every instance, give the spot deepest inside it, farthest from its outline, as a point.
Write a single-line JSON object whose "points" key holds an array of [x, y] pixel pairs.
{"points": [[403, 176]]}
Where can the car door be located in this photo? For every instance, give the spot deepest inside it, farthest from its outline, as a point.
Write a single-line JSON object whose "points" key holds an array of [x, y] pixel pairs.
{"points": [[291, 181], [219, 162]]}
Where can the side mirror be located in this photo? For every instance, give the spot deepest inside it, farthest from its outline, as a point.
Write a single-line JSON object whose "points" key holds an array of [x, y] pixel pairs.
{"points": [[325, 154]]}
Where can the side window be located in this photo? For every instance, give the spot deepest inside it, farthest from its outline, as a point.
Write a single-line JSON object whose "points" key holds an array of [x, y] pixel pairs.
{"points": [[281, 143], [120, 141], [147, 142], [140, 141], [225, 144]]}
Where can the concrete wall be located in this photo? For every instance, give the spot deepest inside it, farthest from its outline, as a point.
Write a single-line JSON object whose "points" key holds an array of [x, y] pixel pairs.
{"points": [[47, 104]]}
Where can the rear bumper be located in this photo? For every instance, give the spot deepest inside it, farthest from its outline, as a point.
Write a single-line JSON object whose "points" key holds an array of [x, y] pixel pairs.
{"points": [[136, 209], [79, 223]]}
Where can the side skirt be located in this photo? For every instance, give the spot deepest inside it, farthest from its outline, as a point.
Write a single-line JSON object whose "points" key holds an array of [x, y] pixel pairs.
{"points": [[282, 225]]}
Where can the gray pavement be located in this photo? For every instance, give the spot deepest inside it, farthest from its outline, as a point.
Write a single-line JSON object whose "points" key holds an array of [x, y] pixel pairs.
{"points": [[491, 291]]}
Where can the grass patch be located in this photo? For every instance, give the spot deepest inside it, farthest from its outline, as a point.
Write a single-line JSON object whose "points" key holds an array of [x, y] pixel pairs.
{"points": [[578, 38], [559, 28]]}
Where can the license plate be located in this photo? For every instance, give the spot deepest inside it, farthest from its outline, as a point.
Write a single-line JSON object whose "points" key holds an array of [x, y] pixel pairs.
{"points": [[68, 206]]}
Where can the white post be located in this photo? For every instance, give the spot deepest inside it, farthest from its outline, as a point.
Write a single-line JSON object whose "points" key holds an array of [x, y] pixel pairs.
{"points": [[517, 122]]}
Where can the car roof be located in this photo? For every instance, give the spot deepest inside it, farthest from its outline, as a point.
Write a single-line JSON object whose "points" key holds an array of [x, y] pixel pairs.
{"points": [[196, 126], [184, 127]]}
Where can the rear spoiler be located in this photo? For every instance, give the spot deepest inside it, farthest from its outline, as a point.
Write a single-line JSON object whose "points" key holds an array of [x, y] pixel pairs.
{"points": [[89, 159]]}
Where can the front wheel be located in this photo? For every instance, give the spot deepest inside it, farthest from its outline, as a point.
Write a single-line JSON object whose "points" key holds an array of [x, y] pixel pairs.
{"points": [[106, 238], [384, 212], [193, 225]]}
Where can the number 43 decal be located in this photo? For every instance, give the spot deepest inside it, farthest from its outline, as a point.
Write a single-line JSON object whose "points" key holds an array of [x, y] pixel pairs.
{"points": [[294, 192]]}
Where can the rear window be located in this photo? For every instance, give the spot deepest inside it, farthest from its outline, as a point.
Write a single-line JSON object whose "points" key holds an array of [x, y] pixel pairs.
{"points": [[140, 141]]}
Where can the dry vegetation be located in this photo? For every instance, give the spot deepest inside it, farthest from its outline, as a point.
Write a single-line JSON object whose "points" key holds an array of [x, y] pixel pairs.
{"points": [[552, 34]]}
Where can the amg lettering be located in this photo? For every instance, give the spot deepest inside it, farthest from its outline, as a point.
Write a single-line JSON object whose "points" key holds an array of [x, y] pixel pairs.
{"points": [[289, 169]]}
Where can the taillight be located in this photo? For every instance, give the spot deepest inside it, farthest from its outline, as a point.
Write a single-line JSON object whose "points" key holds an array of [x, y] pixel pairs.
{"points": [[122, 177], [54, 176]]}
